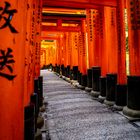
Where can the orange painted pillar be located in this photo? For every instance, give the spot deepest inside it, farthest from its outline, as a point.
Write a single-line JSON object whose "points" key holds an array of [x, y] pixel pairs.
{"points": [[58, 55], [121, 88], [104, 55], [103, 43], [61, 52], [70, 47], [67, 56], [90, 52], [36, 39], [12, 64], [69, 39], [112, 53], [74, 55], [54, 55], [96, 39], [68, 52], [96, 69], [133, 81], [75, 50], [38, 14], [89, 13], [80, 45], [83, 49], [94, 46], [111, 43], [31, 50], [27, 79], [56, 65], [83, 55]]}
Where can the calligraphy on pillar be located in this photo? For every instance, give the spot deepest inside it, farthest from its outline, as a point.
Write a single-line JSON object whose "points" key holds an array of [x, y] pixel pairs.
{"points": [[6, 55], [6, 16], [90, 24], [6, 64], [135, 14], [112, 17]]}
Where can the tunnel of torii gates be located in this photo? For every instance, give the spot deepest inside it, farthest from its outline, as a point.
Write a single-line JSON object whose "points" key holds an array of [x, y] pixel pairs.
{"points": [[88, 47]]}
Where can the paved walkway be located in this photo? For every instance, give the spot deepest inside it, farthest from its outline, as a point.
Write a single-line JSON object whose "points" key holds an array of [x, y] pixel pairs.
{"points": [[72, 114]]}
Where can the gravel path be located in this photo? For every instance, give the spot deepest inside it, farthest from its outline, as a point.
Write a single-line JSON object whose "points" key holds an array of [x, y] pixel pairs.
{"points": [[72, 114]]}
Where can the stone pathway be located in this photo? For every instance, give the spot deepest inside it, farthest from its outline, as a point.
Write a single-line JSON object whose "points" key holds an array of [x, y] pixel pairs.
{"points": [[72, 114]]}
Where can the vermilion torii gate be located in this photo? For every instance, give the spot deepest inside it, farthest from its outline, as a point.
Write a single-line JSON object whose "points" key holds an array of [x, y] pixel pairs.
{"points": [[103, 59]]}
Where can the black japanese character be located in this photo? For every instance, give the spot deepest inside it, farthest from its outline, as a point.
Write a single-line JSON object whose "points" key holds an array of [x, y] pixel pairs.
{"points": [[6, 58], [7, 16]]}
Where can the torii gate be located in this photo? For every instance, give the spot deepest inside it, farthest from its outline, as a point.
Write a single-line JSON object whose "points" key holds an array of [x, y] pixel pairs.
{"points": [[70, 34], [20, 41], [109, 62]]}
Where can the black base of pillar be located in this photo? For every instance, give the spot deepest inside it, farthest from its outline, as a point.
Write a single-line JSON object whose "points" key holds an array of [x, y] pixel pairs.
{"points": [[40, 79], [65, 71], [29, 122], [34, 100], [58, 69], [133, 97], [89, 78], [37, 90], [62, 70], [75, 72], [79, 77], [96, 73], [84, 80], [68, 71], [111, 81], [102, 84], [120, 96], [71, 74]]}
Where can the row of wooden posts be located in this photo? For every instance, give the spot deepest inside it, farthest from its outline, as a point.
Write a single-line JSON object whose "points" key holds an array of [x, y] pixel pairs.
{"points": [[20, 81], [96, 56]]}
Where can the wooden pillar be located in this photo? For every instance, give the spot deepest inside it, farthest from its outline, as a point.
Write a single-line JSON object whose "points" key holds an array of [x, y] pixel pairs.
{"points": [[68, 53], [83, 55], [89, 13], [12, 64], [58, 55], [61, 50], [83, 49], [74, 50], [28, 79], [121, 88], [54, 54], [96, 68], [38, 16], [103, 43], [104, 55], [67, 49], [96, 38], [80, 45], [112, 53], [133, 90]]}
